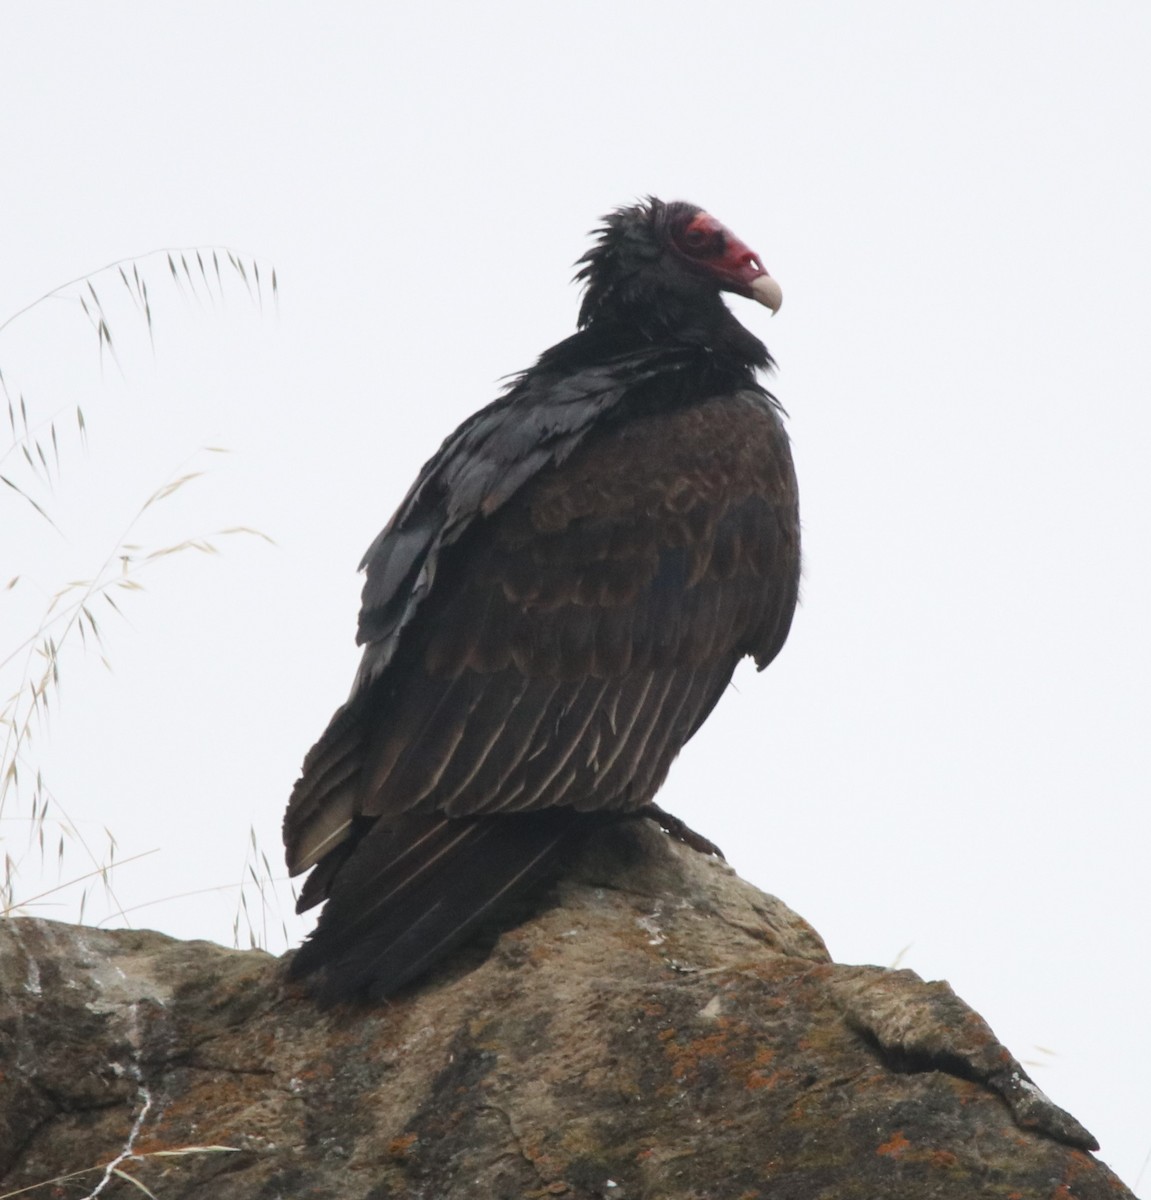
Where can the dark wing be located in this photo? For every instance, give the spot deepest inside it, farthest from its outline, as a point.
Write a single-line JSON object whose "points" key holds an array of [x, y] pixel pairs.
{"points": [[572, 643], [585, 632], [476, 471]]}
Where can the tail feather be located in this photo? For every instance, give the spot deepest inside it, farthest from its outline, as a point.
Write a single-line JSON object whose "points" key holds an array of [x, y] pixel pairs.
{"points": [[415, 889]]}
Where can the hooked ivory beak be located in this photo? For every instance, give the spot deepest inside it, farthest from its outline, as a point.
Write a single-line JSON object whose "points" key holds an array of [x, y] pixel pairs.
{"points": [[767, 292]]}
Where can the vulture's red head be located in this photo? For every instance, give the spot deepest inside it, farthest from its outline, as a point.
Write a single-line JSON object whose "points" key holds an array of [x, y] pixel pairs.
{"points": [[668, 264]]}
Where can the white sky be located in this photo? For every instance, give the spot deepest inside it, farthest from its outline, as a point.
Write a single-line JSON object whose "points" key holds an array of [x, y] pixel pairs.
{"points": [[950, 759]]}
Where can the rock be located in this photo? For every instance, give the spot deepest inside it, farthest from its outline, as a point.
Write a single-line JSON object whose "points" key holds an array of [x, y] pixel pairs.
{"points": [[660, 1030]]}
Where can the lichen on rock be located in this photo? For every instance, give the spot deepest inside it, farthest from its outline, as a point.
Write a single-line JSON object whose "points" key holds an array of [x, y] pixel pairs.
{"points": [[657, 1028]]}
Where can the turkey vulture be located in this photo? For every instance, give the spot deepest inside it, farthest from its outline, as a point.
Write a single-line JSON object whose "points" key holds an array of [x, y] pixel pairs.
{"points": [[555, 608]]}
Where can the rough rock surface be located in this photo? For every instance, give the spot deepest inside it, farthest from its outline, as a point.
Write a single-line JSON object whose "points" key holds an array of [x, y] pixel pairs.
{"points": [[661, 1030]]}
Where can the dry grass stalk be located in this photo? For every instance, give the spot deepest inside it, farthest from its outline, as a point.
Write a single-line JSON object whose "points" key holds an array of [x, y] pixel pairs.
{"points": [[30, 669]]}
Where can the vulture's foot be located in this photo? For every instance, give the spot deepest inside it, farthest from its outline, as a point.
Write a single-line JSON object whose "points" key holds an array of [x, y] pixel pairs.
{"points": [[680, 830]]}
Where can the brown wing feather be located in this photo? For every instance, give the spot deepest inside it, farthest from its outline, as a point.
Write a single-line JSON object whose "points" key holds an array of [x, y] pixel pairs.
{"points": [[670, 546], [569, 648]]}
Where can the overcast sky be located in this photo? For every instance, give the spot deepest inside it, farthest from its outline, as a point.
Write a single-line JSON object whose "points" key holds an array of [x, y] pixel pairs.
{"points": [[948, 765]]}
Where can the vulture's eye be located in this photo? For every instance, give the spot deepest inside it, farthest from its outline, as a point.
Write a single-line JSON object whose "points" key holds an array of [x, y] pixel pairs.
{"points": [[701, 239]]}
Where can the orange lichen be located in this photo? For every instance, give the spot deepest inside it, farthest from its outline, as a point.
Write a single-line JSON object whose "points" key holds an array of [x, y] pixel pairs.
{"points": [[895, 1146], [687, 1056], [399, 1147], [760, 1079], [210, 1107]]}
